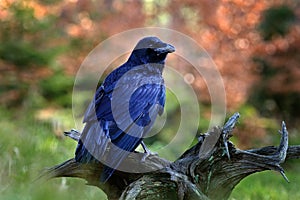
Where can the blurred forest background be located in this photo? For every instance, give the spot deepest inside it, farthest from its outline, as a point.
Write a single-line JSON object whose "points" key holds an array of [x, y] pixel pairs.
{"points": [[255, 45]]}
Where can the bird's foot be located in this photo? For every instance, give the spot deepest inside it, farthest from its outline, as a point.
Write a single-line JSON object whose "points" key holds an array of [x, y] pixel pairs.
{"points": [[147, 152]]}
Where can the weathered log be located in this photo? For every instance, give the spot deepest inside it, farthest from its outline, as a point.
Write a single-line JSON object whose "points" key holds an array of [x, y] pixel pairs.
{"points": [[208, 170]]}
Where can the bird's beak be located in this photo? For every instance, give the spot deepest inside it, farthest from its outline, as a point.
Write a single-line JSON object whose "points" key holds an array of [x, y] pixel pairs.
{"points": [[165, 49]]}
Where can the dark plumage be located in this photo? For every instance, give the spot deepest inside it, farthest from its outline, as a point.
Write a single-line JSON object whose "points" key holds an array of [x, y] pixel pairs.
{"points": [[124, 107]]}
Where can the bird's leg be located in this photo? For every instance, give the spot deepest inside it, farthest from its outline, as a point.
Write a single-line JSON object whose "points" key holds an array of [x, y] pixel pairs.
{"points": [[147, 152]]}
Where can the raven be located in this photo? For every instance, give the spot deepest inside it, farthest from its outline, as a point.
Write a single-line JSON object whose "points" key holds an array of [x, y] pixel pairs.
{"points": [[125, 107]]}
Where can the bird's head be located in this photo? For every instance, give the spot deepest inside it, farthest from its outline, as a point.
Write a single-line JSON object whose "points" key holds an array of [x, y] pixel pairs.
{"points": [[151, 50]]}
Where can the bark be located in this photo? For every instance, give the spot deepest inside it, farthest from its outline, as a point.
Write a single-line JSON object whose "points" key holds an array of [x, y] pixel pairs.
{"points": [[208, 170]]}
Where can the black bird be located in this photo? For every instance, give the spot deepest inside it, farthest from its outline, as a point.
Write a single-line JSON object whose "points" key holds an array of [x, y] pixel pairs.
{"points": [[125, 107]]}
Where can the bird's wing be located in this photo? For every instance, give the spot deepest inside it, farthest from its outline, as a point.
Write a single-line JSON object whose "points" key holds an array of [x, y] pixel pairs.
{"points": [[123, 116], [127, 114], [94, 138], [134, 117], [135, 108]]}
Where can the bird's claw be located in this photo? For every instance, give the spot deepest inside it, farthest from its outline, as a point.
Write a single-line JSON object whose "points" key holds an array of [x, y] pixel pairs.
{"points": [[147, 154]]}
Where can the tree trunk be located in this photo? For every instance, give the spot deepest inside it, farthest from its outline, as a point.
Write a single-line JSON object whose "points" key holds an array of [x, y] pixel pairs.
{"points": [[208, 170]]}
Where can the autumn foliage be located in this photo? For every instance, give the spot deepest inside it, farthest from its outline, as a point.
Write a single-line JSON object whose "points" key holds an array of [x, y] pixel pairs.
{"points": [[255, 45]]}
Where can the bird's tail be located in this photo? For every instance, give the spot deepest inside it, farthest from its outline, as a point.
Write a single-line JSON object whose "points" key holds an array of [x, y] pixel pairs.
{"points": [[117, 155], [92, 144], [82, 155], [106, 174], [113, 160]]}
